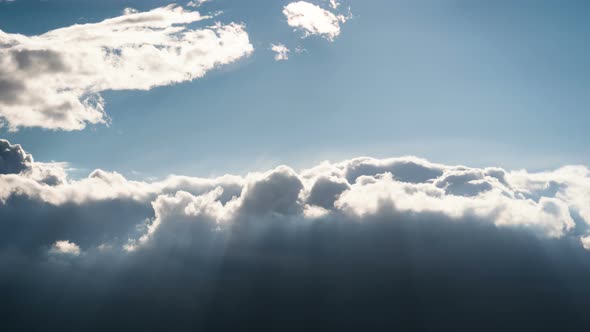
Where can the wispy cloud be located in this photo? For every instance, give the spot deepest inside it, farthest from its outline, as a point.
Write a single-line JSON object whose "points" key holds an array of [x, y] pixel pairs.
{"points": [[281, 51], [54, 80]]}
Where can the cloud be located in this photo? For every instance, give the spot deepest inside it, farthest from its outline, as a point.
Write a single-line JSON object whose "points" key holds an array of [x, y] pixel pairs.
{"points": [[54, 80], [66, 248], [313, 20], [548, 204], [13, 158], [334, 4], [282, 52], [196, 3], [401, 242], [129, 11]]}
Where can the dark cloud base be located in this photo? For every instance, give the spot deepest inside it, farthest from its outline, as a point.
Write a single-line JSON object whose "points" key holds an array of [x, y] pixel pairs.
{"points": [[410, 275]]}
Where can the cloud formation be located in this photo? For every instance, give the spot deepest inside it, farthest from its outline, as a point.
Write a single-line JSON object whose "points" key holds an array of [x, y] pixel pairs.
{"points": [[281, 51], [66, 248], [416, 242], [549, 204], [313, 20], [13, 158], [54, 80]]}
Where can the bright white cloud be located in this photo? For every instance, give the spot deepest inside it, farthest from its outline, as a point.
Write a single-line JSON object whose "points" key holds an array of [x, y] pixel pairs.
{"points": [[281, 51], [54, 80], [548, 204], [313, 20], [66, 248]]}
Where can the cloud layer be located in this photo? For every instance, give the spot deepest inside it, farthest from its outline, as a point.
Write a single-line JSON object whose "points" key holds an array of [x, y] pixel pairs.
{"points": [[54, 80], [401, 243], [549, 204]]}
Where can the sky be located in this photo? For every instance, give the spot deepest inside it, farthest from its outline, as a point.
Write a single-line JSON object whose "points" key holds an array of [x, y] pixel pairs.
{"points": [[470, 82], [343, 165]]}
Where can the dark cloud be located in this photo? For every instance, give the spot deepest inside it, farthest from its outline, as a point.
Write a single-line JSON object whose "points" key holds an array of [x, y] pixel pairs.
{"points": [[464, 183], [393, 272], [403, 170], [10, 90], [325, 192], [13, 158], [276, 193], [33, 226], [36, 61]]}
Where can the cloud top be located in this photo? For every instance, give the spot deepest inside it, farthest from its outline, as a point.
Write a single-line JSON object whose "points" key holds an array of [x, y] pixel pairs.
{"points": [[549, 204], [13, 158]]}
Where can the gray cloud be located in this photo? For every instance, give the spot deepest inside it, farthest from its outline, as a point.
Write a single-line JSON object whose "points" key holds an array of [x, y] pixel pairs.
{"points": [[13, 158], [405, 170]]}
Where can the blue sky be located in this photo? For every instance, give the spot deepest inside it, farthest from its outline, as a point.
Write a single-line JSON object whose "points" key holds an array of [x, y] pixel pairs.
{"points": [[471, 82]]}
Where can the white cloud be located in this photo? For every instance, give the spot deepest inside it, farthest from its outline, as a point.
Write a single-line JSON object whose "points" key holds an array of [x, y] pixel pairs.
{"points": [[129, 11], [66, 247], [196, 3], [54, 80], [313, 20], [282, 52], [549, 204]]}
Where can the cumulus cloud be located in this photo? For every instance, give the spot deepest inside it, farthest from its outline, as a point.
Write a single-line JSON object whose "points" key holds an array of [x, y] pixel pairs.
{"points": [[402, 236], [54, 80], [66, 248], [313, 20], [548, 204], [281, 51], [13, 158]]}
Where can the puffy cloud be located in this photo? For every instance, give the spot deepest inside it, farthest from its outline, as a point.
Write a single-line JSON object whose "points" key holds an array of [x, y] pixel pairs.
{"points": [[313, 20], [405, 237], [549, 204], [106, 209], [326, 190], [54, 80], [282, 52], [413, 170], [66, 248], [13, 158]]}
